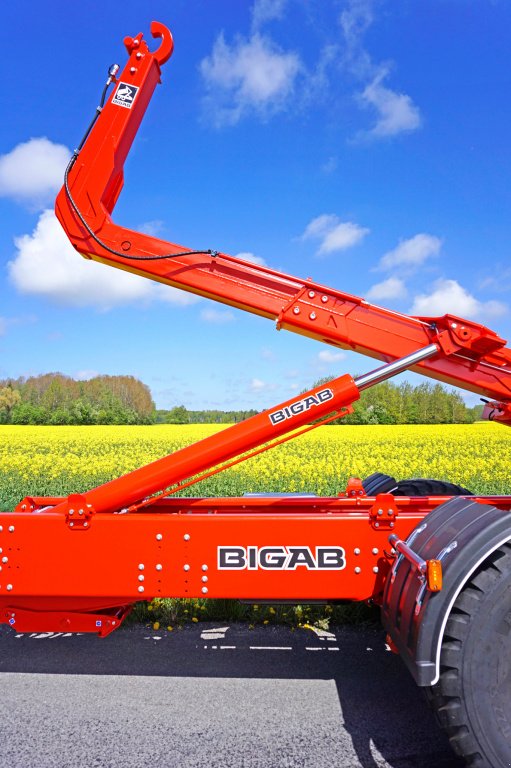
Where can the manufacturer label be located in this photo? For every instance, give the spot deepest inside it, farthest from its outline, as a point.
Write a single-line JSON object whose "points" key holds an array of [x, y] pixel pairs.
{"points": [[281, 558], [300, 406], [125, 95]]}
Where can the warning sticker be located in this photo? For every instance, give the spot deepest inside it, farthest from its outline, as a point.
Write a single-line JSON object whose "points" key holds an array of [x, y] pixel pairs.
{"points": [[125, 95]]}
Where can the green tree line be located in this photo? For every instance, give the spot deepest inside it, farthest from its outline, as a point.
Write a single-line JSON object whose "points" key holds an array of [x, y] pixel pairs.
{"points": [[53, 398], [405, 403]]}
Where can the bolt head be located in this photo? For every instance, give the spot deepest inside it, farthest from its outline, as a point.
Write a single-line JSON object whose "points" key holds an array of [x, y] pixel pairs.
{"points": [[1, 529], [204, 567], [311, 294], [380, 511], [23, 506], [159, 537], [5, 559], [204, 579], [71, 524], [377, 525], [357, 569], [312, 316], [86, 524], [296, 311], [204, 590], [141, 589], [80, 511], [375, 569], [9, 587], [141, 566], [11, 529], [391, 525], [186, 537], [324, 299], [186, 567], [139, 55], [356, 551], [159, 567], [375, 550], [141, 578]]}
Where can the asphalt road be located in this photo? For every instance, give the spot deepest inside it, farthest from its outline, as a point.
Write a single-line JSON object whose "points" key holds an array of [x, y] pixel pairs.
{"points": [[214, 697]]}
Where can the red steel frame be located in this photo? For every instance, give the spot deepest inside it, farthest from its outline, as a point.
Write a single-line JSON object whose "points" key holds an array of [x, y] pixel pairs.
{"points": [[79, 563]]}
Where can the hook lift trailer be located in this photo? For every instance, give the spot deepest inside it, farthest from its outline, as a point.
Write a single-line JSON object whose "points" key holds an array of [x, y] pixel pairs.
{"points": [[435, 558]]}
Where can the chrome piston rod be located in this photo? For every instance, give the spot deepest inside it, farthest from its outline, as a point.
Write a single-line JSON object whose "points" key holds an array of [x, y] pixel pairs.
{"points": [[397, 366]]}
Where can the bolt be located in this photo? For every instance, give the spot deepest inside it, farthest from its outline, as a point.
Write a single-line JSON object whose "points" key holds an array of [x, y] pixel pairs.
{"points": [[204, 579], [86, 524], [356, 551], [375, 569], [357, 569], [113, 623], [454, 325], [71, 524], [186, 537], [296, 311], [312, 316], [1, 550], [133, 70], [377, 525], [380, 511], [311, 294], [136, 43], [71, 511], [186, 567], [9, 587], [141, 589], [204, 590], [5, 559], [391, 525], [324, 299], [139, 55], [390, 512], [204, 567], [141, 566], [80, 511], [159, 567], [141, 578], [375, 551], [23, 506], [1, 528], [392, 551], [159, 537]]}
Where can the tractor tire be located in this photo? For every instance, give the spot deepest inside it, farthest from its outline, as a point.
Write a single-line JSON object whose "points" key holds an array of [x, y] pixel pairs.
{"points": [[472, 699], [420, 486]]}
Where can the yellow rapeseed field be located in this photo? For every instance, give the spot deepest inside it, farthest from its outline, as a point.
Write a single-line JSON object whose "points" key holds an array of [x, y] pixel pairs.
{"points": [[61, 460]]}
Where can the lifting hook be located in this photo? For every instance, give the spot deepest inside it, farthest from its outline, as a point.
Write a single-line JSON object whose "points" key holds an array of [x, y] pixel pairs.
{"points": [[161, 54]]}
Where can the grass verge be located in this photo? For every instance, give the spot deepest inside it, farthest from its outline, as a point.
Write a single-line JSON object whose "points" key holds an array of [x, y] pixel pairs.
{"points": [[173, 613]]}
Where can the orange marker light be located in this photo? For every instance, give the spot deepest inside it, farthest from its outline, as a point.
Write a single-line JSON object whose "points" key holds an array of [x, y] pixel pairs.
{"points": [[434, 575]]}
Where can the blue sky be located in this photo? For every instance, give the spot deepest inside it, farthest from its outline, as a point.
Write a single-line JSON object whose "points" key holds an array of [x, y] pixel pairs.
{"points": [[362, 143]]}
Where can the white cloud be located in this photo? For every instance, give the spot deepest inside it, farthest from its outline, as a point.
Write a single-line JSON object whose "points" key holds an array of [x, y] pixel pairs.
{"points": [[267, 10], [216, 316], [396, 111], [47, 265], [33, 172], [257, 385], [250, 76], [334, 234], [392, 288], [449, 297], [247, 256], [152, 228], [326, 356], [86, 375], [412, 253]]}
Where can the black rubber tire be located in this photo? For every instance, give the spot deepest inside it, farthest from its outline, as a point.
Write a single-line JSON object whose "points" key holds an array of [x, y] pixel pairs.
{"points": [[419, 486], [472, 699]]}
